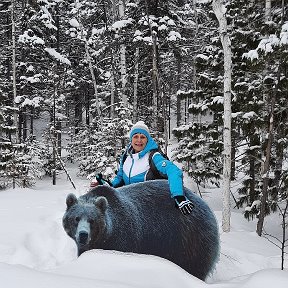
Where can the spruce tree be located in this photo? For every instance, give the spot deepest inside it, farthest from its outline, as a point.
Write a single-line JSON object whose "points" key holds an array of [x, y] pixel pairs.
{"points": [[99, 151]]}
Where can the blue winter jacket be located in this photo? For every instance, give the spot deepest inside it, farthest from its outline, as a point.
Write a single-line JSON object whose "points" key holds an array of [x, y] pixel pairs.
{"points": [[135, 168]]}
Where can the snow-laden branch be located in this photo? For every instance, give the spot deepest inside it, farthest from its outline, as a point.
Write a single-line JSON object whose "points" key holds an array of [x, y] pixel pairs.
{"points": [[52, 52], [269, 44]]}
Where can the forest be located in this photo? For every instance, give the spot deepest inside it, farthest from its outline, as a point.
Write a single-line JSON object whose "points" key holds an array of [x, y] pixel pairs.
{"points": [[89, 69]]}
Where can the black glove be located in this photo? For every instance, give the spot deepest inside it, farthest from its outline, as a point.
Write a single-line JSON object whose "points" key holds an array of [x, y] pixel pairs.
{"points": [[101, 180], [184, 204]]}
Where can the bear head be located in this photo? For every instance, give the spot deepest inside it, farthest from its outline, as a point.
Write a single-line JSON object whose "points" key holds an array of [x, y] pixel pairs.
{"points": [[84, 220]]}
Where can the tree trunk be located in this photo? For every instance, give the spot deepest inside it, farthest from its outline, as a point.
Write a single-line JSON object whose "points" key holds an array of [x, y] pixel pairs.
{"points": [[87, 106], [178, 83], [155, 75], [14, 67], [284, 215], [265, 174], [219, 10], [164, 97], [155, 78], [24, 123], [113, 72], [31, 132], [77, 112], [135, 88], [112, 86], [254, 140], [59, 138], [195, 10], [267, 10], [123, 59], [58, 121], [53, 132], [185, 110], [20, 125], [233, 155], [94, 84], [252, 179]]}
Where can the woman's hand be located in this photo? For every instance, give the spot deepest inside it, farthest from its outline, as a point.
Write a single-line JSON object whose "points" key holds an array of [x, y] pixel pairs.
{"points": [[94, 183]]}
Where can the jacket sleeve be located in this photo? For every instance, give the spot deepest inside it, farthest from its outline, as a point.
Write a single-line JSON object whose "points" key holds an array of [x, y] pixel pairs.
{"points": [[118, 180], [174, 174]]}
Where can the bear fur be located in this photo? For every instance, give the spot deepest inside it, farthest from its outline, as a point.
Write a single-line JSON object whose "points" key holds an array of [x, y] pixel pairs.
{"points": [[142, 218]]}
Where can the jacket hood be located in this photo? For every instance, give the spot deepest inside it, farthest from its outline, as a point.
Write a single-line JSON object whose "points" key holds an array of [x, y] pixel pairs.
{"points": [[151, 144]]}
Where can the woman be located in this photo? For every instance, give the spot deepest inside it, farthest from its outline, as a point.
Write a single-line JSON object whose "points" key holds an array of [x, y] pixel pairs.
{"points": [[135, 167]]}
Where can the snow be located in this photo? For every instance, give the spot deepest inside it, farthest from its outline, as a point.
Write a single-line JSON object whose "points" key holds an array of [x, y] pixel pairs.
{"points": [[36, 252], [268, 43], [284, 34], [174, 36], [74, 23], [170, 22], [121, 24], [35, 102], [218, 100], [52, 52], [97, 32], [249, 115], [252, 54], [162, 27], [137, 36], [47, 18], [202, 56], [33, 79], [26, 38]]}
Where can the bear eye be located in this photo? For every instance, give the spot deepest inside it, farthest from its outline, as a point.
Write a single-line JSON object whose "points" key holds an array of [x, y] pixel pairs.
{"points": [[77, 219], [91, 221]]}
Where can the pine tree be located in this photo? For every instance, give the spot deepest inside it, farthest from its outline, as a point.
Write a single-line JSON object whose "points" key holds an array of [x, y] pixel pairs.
{"points": [[268, 86], [203, 145], [99, 151], [13, 159]]}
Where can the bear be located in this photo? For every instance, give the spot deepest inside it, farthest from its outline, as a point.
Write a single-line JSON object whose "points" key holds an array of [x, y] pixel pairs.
{"points": [[142, 218]]}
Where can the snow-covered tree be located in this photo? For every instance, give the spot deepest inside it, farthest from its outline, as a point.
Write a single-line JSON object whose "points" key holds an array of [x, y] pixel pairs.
{"points": [[269, 87], [259, 49], [203, 140], [99, 151]]}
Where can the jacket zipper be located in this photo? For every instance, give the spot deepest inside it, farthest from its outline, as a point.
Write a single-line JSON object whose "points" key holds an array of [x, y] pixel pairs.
{"points": [[131, 170]]}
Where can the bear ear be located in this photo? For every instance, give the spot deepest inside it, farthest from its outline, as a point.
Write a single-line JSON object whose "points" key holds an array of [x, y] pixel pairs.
{"points": [[102, 203], [71, 200]]}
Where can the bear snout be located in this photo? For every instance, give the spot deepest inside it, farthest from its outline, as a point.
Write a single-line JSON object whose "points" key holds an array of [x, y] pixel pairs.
{"points": [[83, 238]]}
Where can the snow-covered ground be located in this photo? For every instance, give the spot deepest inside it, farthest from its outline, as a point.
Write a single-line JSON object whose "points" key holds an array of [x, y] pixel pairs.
{"points": [[36, 252]]}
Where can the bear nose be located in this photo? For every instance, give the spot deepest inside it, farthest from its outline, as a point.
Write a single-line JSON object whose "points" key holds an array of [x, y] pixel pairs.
{"points": [[83, 237]]}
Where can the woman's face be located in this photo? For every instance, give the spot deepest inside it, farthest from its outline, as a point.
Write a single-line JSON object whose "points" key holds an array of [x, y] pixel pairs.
{"points": [[139, 142]]}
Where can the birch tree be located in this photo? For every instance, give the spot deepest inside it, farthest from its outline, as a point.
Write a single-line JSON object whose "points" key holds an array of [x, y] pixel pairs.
{"points": [[219, 10]]}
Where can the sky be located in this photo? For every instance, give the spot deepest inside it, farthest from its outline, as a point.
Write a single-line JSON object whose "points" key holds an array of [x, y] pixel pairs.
{"points": [[35, 251]]}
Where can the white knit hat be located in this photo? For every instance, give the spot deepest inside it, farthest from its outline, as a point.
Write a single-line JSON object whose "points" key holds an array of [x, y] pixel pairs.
{"points": [[139, 127]]}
